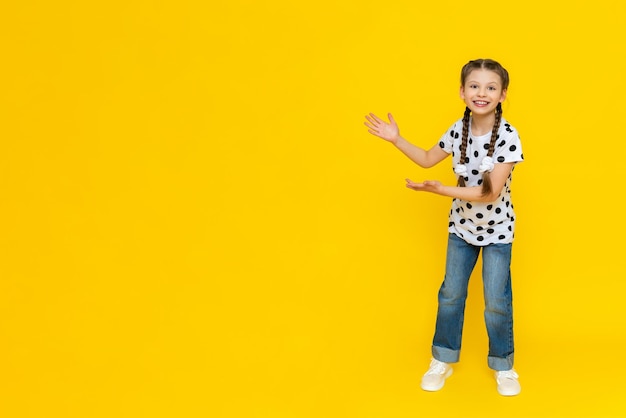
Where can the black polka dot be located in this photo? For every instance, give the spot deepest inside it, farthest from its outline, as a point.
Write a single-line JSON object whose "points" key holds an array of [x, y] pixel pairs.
{"points": [[450, 223], [469, 205], [480, 238], [479, 228], [511, 148], [462, 221], [489, 207], [479, 215], [475, 172], [490, 230], [476, 154], [467, 160], [480, 181], [441, 144], [501, 237], [491, 223], [500, 158], [498, 210], [501, 144], [486, 146]]}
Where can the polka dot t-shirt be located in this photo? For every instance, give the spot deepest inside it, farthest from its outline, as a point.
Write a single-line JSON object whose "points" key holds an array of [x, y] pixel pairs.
{"points": [[482, 223]]}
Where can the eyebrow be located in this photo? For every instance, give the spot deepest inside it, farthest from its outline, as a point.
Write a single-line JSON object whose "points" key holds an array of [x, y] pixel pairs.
{"points": [[477, 82]]}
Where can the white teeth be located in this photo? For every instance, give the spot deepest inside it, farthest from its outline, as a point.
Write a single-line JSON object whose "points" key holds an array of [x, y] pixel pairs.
{"points": [[480, 103]]}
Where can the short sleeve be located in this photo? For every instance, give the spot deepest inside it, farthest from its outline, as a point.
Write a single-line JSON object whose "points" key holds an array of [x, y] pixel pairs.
{"points": [[508, 147], [453, 133]]}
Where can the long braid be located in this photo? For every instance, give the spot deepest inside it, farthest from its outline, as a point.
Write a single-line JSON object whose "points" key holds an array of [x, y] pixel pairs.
{"points": [[465, 134], [494, 66], [492, 145]]}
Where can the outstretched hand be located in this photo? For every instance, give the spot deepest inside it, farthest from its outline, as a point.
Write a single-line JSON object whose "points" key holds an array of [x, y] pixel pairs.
{"points": [[387, 131], [432, 186]]}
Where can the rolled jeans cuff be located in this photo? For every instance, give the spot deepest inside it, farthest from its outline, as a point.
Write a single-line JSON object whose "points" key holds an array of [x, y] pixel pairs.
{"points": [[500, 364], [445, 354]]}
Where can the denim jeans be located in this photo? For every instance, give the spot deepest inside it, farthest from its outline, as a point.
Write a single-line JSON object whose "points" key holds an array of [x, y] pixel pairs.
{"points": [[460, 261]]}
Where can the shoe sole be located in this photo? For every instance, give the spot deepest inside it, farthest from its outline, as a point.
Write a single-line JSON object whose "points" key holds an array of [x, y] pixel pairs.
{"points": [[509, 393]]}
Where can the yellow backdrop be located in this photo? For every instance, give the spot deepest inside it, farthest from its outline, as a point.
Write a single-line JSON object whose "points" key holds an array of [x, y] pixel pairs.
{"points": [[196, 223]]}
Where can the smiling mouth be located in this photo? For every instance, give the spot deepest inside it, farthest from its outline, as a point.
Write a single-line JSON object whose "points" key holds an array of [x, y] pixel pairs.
{"points": [[480, 103]]}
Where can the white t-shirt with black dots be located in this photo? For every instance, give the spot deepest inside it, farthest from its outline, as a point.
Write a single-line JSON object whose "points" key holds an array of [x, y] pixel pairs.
{"points": [[480, 223]]}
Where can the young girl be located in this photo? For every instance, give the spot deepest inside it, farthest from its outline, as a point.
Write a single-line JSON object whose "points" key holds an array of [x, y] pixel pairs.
{"points": [[484, 148]]}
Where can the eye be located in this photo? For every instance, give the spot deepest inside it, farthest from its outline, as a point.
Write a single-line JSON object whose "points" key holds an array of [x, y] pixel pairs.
{"points": [[492, 88], [473, 86]]}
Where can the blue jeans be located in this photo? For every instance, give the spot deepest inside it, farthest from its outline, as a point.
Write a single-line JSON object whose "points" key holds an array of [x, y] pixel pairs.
{"points": [[460, 261]]}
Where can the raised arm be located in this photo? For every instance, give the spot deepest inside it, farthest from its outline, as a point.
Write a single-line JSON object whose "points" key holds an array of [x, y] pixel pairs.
{"points": [[390, 132], [472, 194]]}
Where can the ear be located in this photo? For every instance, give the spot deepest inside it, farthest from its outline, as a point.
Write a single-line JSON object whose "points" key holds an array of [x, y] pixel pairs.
{"points": [[503, 96], [462, 93]]}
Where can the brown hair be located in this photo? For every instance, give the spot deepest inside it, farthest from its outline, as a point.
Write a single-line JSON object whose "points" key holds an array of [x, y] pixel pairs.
{"points": [[494, 66]]}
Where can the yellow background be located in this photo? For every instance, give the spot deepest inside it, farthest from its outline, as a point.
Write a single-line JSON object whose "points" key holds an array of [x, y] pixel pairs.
{"points": [[196, 223]]}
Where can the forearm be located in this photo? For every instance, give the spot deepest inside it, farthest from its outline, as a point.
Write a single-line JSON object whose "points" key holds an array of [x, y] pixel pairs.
{"points": [[416, 154], [470, 194]]}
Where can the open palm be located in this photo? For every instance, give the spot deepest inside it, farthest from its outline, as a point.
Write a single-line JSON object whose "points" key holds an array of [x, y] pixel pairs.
{"points": [[387, 131]]}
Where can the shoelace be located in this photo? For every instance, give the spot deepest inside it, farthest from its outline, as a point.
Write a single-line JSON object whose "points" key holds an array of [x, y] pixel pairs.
{"points": [[436, 367], [508, 374]]}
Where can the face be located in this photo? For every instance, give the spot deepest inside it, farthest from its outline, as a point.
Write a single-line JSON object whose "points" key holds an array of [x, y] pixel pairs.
{"points": [[482, 91]]}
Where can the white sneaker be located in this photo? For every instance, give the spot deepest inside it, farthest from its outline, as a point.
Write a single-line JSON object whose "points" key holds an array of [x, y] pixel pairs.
{"points": [[436, 375], [507, 383]]}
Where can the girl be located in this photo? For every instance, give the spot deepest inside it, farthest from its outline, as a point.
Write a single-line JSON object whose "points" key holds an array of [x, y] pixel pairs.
{"points": [[484, 149]]}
